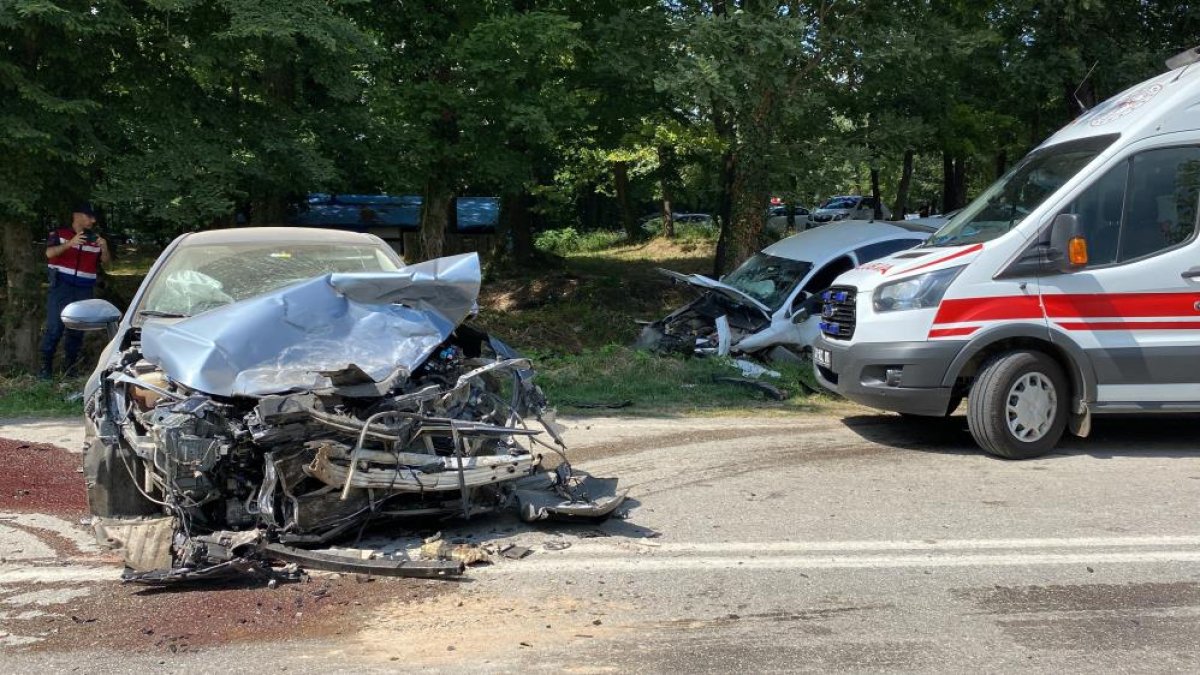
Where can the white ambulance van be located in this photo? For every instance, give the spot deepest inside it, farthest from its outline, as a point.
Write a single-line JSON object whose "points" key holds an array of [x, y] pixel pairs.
{"points": [[1071, 287]]}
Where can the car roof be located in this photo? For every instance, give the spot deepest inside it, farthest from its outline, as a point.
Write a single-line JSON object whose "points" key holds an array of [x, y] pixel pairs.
{"points": [[846, 235], [303, 235]]}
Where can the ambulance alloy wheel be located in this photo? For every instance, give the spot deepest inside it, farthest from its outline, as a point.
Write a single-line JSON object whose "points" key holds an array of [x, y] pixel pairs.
{"points": [[1017, 408]]}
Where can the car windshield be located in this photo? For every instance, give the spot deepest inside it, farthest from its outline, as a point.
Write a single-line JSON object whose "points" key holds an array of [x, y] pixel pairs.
{"points": [[767, 278], [198, 278], [1019, 192], [841, 203]]}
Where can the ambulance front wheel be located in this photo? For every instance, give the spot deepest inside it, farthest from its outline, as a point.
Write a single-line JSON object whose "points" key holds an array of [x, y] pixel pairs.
{"points": [[1017, 407]]}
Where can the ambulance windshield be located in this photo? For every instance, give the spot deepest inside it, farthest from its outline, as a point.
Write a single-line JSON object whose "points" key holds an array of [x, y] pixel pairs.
{"points": [[1006, 203]]}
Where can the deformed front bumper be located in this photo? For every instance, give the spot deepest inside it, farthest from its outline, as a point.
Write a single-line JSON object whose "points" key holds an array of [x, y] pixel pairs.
{"points": [[860, 372]]}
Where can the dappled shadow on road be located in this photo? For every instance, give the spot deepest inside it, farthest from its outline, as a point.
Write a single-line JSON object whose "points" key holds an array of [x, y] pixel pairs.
{"points": [[1161, 436]]}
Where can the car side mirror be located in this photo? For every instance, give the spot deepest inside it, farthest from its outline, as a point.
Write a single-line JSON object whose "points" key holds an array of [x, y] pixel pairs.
{"points": [[1068, 242], [810, 307], [91, 315]]}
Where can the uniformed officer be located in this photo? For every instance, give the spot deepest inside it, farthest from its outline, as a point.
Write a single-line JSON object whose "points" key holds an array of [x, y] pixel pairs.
{"points": [[74, 255]]}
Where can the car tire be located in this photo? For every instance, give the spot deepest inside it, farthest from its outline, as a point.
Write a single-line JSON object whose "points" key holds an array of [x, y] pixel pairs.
{"points": [[111, 490], [1017, 408]]}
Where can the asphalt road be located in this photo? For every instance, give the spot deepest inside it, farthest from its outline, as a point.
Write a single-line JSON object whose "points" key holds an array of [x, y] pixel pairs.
{"points": [[811, 543]]}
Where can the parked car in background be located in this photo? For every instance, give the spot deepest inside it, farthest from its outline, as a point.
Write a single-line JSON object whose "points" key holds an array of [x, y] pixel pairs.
{"points": [[846, 207], [777, 223], [769, 307], [936, 220]]}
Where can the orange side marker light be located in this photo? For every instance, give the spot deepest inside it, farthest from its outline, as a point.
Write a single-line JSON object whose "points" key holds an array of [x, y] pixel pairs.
{"points": [[1077, 251]]}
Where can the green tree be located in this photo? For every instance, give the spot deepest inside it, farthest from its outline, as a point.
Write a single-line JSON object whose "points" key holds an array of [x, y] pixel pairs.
{"points": [[50, 81]]}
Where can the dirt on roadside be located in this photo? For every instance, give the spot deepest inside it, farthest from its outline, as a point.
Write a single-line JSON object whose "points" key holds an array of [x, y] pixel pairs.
{"points": [[41, 478]]}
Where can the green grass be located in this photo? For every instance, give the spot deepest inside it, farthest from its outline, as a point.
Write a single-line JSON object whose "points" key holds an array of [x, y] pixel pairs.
{"points": [[568, 240], [643, 383], [27, 396], [590, 300]]}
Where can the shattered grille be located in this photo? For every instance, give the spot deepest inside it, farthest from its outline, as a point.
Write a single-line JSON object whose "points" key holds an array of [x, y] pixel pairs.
{"points": [[837, 312]]}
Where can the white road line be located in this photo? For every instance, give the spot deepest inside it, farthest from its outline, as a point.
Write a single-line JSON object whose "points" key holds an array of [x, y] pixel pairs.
{"points": [[10, 574], [17, 544], [769, 547], [648, 563], [76, 534]]}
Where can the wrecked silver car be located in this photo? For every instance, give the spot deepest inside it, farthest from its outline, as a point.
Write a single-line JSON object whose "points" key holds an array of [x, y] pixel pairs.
{"points": [[769, 307], [273, 389]]}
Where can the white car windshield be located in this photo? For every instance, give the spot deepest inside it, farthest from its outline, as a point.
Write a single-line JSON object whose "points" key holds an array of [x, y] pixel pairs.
{"points": [[198, 278], [767, 278], [1006, 203]]}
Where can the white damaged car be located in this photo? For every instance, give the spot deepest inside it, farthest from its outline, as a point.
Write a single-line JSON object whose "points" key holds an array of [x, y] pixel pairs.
{"points": [[769, 307]]}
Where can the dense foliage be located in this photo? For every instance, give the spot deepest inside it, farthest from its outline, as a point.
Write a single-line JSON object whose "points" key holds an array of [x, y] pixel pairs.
{"points": [[183, 114]]}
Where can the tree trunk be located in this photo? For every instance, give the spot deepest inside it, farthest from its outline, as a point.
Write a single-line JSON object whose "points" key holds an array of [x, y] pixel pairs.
{"points": [[960, 182], [515, 240], [523, 228], [875, 196], [620, 171], [24, 304], [725, 211], [948, 189], [666, 179], [436, 201], [589, 208], [906, 174], [749, 214], [1001, 163], [268, 211]]}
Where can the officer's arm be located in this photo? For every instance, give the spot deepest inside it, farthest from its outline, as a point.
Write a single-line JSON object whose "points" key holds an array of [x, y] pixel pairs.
{"points": [[55, 250]]}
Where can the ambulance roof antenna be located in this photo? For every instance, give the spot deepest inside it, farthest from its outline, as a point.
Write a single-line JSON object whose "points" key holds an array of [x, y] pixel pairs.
{"points": [[1083, 108]]}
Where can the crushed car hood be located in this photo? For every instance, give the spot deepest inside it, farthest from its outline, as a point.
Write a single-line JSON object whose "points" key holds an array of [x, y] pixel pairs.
{"points": [[725, 290], [335, 329]]}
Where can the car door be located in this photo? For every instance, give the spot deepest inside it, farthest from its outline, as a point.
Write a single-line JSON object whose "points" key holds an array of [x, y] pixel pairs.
{"points": [[1135, 307], [865, 210]]}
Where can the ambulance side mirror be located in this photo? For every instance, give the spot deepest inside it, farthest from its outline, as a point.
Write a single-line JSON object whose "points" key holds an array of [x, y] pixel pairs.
{"points": [[1068, 242]]}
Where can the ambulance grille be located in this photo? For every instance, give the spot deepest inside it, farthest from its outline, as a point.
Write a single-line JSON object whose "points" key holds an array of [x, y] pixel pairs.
{"points": [[837, 312]]}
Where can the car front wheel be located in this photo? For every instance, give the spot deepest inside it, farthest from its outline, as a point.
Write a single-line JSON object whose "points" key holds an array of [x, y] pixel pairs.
{"points": [[1017, 408]]}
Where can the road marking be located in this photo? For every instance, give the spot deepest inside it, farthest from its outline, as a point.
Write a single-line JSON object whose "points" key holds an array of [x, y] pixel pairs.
{"points": [[50, 596], [766, 547], [647, 563], [10, 574], [17, 544], [649, 555], [76, 534]]}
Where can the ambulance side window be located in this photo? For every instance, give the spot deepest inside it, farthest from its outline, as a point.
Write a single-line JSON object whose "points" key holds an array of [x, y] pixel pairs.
{"points": [[1161, 208], [1148, 204], [1099, 209]]}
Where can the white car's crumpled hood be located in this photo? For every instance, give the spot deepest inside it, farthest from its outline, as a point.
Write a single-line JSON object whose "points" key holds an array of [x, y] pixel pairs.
{"points": [[705, 283]]}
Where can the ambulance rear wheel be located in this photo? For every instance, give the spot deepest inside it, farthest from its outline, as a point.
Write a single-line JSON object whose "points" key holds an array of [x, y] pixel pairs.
{"points": [[1017, 408]]}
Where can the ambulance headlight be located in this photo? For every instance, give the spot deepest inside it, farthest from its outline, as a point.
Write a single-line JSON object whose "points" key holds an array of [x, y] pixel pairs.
{"points": [[919, 292]]}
